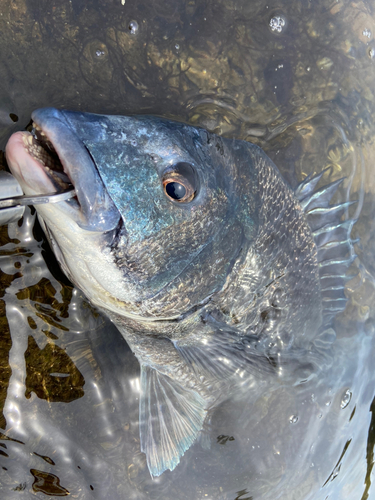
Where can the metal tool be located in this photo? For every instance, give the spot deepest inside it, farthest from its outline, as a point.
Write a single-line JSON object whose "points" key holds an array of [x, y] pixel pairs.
{"points": [[13, 201]]}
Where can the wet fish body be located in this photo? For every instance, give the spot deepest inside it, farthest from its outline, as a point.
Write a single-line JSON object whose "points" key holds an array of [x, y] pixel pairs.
{"points": [[210, 265]]}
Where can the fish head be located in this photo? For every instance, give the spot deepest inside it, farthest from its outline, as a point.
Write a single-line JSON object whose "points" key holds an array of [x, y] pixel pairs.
{"points": [[160, 213]]}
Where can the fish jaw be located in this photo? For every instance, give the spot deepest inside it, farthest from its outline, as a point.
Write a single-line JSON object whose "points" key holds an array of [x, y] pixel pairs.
{"points": [[29, 172], [93, 208], [80, 230]]}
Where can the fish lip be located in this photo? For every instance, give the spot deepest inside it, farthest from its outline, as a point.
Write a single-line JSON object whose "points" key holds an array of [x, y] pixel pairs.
{"points": [[97, 210]]}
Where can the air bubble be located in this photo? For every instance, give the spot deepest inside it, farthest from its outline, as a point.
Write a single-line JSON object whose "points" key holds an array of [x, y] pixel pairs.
{"points": [[95, 52], [371, 53], [346, 399], [133, 27], [277, 23], [177, 47], [293, 419], [366, 33]]}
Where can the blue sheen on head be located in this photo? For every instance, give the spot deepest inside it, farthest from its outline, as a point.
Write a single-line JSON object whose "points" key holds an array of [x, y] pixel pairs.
{"points": [[163, 244]]}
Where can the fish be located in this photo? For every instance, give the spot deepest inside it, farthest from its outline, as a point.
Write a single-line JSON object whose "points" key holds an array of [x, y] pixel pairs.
{"points": [[212, 267]]}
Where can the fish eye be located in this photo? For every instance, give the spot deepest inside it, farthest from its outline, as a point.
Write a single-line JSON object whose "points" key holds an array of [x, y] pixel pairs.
{"points": [[180, 182], [175, 190]]}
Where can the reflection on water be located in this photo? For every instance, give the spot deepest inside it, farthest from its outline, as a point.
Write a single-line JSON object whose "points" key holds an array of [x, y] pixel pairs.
{"points": [[238, 68], [294, 77]]}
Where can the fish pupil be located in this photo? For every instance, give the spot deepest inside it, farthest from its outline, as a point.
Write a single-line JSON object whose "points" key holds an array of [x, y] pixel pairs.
{"points": [[175, 190]]}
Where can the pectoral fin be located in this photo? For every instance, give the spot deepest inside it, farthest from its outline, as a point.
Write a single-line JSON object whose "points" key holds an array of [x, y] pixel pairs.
{"points": [[223, 354], [170, 419]]}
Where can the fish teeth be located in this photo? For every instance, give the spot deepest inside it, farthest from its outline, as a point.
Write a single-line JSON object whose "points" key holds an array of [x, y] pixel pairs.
{"points": [[28, 140], [55, 177], [35, 150], [36, 127]]}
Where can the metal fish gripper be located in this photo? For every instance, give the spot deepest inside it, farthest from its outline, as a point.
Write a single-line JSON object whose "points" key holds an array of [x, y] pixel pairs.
{"points": [[13, 201]]}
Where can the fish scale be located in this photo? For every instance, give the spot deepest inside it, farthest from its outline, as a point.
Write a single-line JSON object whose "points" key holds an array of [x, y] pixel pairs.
{"points": [[272, 230]]}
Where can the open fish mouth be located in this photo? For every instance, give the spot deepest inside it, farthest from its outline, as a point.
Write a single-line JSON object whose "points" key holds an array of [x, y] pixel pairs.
{"points": [[41, 149], [52, 158]]}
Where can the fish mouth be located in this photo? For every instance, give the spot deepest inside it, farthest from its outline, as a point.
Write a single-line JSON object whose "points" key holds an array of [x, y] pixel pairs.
{"points": [[52, 158]]}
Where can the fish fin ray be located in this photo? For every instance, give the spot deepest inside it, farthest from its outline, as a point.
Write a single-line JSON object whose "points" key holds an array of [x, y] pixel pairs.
{"points": [[320, 216], [321, 197], [331, 226], [170, 419], [225, 353], [307, 186]]}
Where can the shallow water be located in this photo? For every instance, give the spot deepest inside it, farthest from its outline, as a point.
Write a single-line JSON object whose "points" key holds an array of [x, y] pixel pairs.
{"points": [[295, 77]]}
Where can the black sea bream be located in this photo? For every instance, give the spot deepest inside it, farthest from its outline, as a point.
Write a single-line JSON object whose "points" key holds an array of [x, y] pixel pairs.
{"points": [[211, 266]]}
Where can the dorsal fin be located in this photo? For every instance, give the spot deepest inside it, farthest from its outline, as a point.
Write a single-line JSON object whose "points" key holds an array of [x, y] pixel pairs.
{"points": [[331, 227]]}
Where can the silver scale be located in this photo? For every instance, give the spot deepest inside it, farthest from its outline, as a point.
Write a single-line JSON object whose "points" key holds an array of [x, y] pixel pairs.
{"points": [[13, 201]]}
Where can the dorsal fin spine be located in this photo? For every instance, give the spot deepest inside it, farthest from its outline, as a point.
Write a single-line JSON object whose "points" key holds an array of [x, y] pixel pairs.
{"points": [[332, 238]]}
